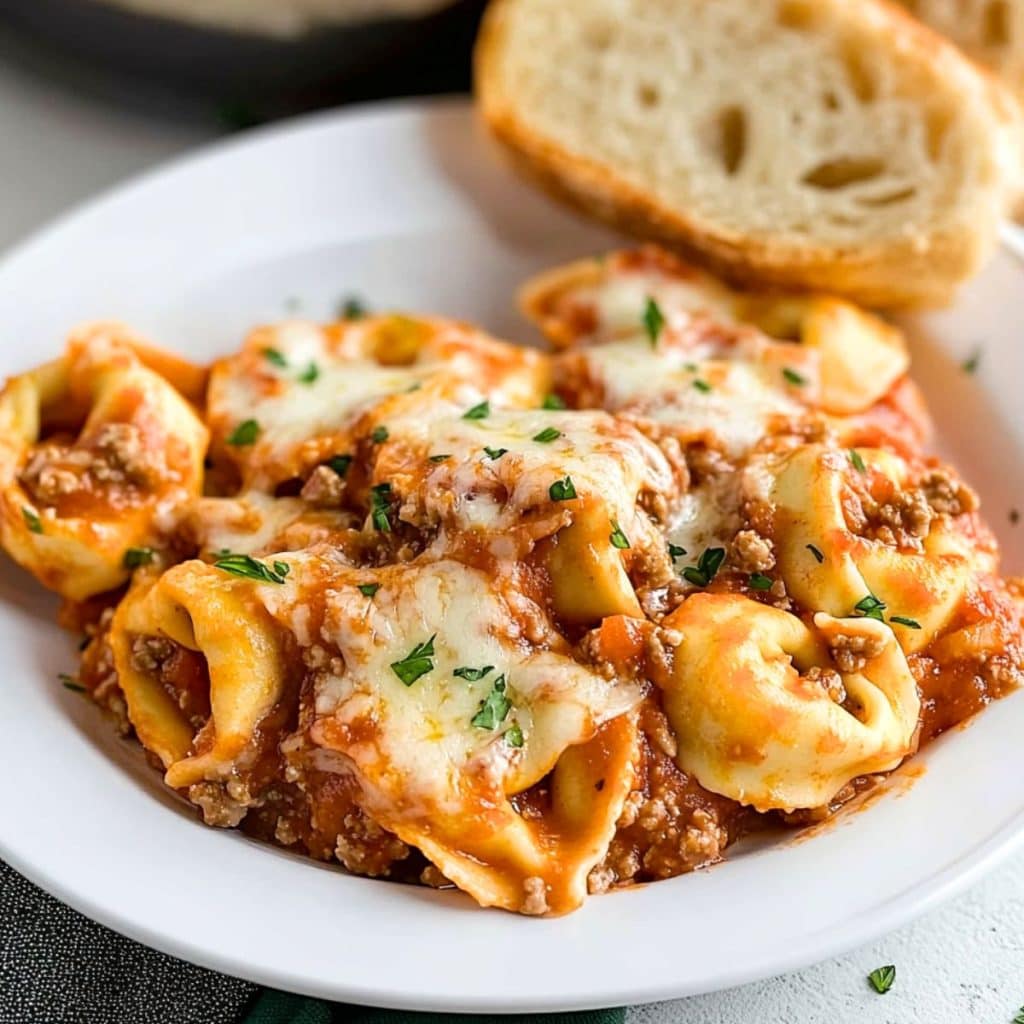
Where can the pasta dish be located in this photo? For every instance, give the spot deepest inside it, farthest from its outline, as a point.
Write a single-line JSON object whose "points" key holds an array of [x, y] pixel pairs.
{"points": [[397, 594]]}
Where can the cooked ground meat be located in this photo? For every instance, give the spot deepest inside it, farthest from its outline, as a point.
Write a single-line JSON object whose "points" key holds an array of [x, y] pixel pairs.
{"points": [[367, 849], [150, 652], [852, 653], [947, 495], [751, 552], [536, 892], [829, 680], [218, 807], [122, 455], [324, 488]]}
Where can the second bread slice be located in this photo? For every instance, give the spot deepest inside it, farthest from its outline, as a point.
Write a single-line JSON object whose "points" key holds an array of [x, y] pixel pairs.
{"points": [[814, 144]]}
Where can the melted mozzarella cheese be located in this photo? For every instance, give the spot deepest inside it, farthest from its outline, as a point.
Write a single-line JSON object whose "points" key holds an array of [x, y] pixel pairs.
{"points": [[620, 300], [415, 748], [728, 403], [604, 459]]}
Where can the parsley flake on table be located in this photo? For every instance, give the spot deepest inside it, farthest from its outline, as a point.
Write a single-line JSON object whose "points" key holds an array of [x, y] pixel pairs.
{"points": [[494, 708], [417, 663], [251, 568], [881, 978], [706, 569], [244, 434], [654, 320], [562, 490]]}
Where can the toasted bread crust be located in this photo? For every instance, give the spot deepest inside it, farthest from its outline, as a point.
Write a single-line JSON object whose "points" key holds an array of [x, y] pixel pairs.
{"points": [[921, 268]]}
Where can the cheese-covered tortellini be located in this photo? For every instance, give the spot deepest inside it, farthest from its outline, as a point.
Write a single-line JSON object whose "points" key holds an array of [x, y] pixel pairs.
{"points": [[778, 714]]}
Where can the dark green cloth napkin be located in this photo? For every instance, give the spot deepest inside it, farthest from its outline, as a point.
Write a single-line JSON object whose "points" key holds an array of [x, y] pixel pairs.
{"points": [[272, 1007]]}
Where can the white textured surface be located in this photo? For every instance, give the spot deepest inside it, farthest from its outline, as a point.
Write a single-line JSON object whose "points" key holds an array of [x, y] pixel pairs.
{"points": [[964, 962]]}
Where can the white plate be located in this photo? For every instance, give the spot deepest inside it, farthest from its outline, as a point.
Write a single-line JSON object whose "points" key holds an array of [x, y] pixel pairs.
{"points": [[408, 206]]}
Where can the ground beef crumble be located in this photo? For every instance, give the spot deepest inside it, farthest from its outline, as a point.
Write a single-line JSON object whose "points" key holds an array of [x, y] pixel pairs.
{"points": [[853, 652]]}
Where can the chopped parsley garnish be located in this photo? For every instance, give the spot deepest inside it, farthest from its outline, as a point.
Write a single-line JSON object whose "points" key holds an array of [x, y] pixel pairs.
{"points": [[70, 683], [547, 435], [1019, 1018], [478, 412], [871, 608], [418, 662], [909, 623], [654, 320], [136, 557], [495, 453], [758, 581], [858, 462], [340, 464], [439, 458], [552, 402], [379, 498], [514, 735], [562, 490], [816, 552], [675, 551], [414, 387], [494, 708], [881, 978], [702, 386], [274, 357], [473, 675], [618, 538], [710, 561], [972, 362], [793, 377], [32, 520], [379, 435], [252, 569], [309, 374], [245, 433], [352, 308], [368, 589]]}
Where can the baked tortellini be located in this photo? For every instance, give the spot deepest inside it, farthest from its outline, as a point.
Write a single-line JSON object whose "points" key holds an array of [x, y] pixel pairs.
{"points": [[451, 611], [99, 456]]}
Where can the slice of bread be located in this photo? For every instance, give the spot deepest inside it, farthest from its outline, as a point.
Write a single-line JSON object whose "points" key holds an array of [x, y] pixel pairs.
{"points": [[820, 144], [989, 31]]}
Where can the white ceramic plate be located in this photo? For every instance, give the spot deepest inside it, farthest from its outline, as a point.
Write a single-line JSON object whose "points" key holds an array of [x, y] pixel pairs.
{"points": [[408, 206]]}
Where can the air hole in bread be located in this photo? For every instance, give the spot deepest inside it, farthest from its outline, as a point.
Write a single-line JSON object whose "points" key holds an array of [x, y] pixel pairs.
{"points": [[829, 100], [995, 29], [598, 34], [888, 198], [648, 95], [730, 137], [843, 172], [797, 14], [859, 72]]}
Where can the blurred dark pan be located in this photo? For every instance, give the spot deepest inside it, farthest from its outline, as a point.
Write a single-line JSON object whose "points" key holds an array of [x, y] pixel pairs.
{"points": [[258, 68]]}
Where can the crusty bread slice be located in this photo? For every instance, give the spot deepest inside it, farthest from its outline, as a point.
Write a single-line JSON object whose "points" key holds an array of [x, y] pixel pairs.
{"points": [[823, 144], [989, 31]]}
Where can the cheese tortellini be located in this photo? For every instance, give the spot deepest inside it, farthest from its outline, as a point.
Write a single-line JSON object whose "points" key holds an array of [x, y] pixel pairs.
{"points": [[764, 716]]}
